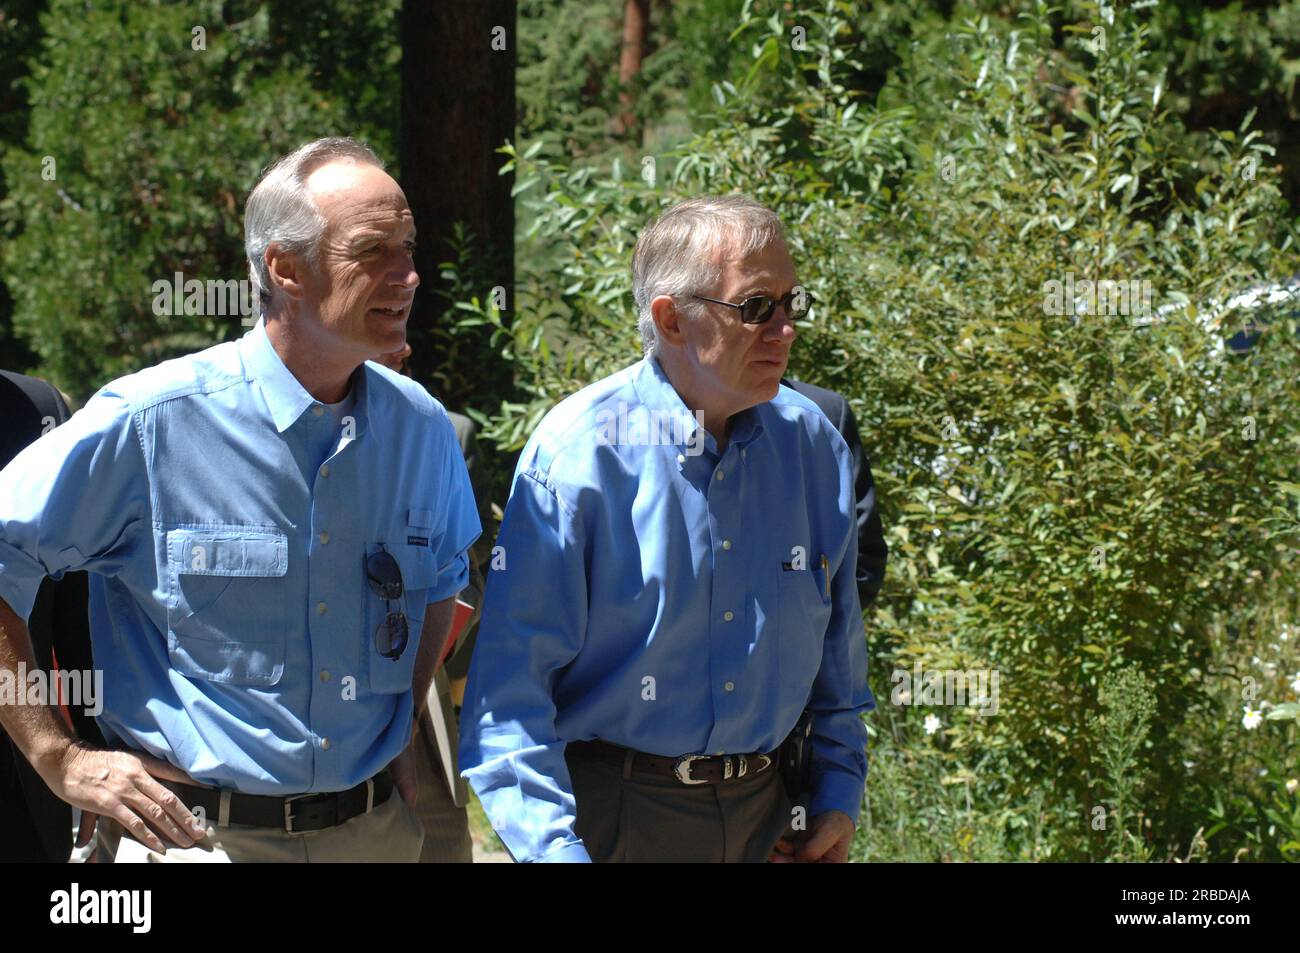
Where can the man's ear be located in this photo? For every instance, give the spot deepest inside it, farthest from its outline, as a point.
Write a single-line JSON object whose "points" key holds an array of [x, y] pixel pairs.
{"points": [[286, 270], [668, 320]]}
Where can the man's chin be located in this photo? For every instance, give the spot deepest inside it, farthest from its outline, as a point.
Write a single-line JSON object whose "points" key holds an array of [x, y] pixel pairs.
{"points": [[385, 340], [768, 381], [761, 392]]}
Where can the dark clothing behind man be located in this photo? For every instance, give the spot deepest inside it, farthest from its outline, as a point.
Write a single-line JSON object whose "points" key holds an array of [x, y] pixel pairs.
{"points": [[873, 552], [35, 826], [443, 792]]}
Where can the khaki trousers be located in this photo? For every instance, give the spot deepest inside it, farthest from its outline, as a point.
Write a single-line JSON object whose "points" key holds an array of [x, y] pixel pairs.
{"points": [[644, 818], [446, 826], [391, 833]]}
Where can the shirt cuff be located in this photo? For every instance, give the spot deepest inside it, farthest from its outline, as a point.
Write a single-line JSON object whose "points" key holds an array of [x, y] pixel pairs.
{"points": [[20, 580], [451, 580], [837, 791], [568, 854]]}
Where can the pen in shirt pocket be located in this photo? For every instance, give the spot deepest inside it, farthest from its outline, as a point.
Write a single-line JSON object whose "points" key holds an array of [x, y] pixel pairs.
{"points": [[826, 573]]}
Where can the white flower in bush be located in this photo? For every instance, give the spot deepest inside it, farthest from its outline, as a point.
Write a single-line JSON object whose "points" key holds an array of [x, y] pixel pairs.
{"points": [[931, 724], [1252, 718]]}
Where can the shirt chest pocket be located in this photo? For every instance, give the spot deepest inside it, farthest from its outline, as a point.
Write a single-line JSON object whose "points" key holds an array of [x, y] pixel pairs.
{"points": [[804, 614], [226, 606], [386, 675]]}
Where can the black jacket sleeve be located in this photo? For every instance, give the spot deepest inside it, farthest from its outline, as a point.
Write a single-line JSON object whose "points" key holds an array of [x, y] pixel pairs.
{"points": [[873, 552]]}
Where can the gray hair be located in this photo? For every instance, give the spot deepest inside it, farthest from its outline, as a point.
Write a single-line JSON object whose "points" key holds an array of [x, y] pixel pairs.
{"points": [[683, 250], [281, 212]]}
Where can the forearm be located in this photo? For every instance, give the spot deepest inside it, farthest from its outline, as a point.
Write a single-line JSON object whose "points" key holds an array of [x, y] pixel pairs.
{"points": [[533, 626], [38, 731], [534, 821], [433, 639], [840, 697]]}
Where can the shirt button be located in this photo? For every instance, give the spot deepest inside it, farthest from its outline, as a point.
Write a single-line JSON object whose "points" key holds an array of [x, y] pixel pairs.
{"points": [[325, 744], [324, 469], [324, 675], [728, 616], [730, 686], [719, 474], [726, 544], [317, 409], [324, 538], [322, 608]]}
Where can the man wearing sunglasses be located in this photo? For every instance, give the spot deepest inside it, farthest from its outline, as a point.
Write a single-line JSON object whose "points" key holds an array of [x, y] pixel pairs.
{"points": [[275, 530], [676, 593]]}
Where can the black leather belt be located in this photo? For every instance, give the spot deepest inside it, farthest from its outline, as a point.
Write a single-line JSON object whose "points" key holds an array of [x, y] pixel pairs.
{"points": [[298, 814], [687, 768]]}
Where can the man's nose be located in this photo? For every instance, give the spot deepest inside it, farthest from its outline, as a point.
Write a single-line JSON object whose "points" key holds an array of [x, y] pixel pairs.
{"points": [[405, 276], [779, 323]]}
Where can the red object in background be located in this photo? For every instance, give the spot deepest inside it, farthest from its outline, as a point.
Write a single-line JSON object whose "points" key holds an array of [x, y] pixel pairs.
{"points": [[59, 700], [460, 616]]}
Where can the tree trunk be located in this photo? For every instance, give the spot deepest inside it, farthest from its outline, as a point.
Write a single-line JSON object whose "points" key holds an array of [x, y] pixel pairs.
{"points": [[636, 26], [458, 108]]}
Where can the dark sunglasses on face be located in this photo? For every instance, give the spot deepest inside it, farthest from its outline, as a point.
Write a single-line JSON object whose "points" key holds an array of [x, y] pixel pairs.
{"points": [[385, 578], [759, 310]]}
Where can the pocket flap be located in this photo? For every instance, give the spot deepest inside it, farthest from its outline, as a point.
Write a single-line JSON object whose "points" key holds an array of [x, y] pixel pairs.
{"points": [[420, 519], [228, 552]]}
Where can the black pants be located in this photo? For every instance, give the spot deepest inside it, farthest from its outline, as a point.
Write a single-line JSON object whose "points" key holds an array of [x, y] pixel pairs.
{"points": [[646, 818], [20, 840]]}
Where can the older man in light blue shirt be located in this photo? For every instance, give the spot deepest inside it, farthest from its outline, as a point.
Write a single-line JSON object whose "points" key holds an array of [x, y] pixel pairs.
{"points": [[276, 530], [673, 585]]}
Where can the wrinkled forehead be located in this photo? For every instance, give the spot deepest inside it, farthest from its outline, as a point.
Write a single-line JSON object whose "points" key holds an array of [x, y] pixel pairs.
{"points": [[732, 244], [768, 268], [353, 195]]}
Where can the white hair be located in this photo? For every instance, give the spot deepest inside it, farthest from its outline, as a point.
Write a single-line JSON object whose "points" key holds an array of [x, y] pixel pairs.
{"points": [[281, 212], [683, 250]]}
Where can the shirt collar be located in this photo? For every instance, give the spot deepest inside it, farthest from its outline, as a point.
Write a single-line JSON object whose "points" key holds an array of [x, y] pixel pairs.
{"points": [[286, 398], [656, 391]]}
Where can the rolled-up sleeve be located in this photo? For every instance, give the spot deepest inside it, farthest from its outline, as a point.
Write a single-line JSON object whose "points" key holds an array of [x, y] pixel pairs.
{"points": [[460, 521], [534, 623], [77, 498]]}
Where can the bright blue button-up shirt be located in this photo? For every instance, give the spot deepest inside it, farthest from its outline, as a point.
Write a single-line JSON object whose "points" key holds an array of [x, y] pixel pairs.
{"points": [[224, 516], [651, 592]]}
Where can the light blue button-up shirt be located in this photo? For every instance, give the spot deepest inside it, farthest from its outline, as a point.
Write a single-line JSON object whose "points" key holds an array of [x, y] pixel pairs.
{"points": [[652, 593], [224, 516]]}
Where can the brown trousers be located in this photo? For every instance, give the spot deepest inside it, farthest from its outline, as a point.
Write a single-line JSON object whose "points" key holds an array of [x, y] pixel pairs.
{"points": [[646, 819]]}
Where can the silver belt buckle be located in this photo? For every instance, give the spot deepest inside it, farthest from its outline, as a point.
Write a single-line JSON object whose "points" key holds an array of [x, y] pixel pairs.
{"points": [[682, 769]]}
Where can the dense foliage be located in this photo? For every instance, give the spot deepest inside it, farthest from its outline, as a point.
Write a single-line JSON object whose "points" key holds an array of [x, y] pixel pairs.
{"points": [[1069, 492], [1089, 495], [143, 139]]}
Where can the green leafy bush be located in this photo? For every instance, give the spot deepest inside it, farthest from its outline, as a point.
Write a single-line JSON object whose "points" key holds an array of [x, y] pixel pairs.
{"points": [[1070, 487], [153, 145]]}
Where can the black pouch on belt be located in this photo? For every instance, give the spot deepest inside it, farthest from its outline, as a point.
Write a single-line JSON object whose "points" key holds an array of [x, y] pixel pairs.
{"points": [[796, 758]]}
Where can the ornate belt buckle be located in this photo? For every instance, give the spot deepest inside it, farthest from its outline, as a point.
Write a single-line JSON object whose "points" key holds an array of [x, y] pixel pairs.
{"points": [[682, 769]]}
